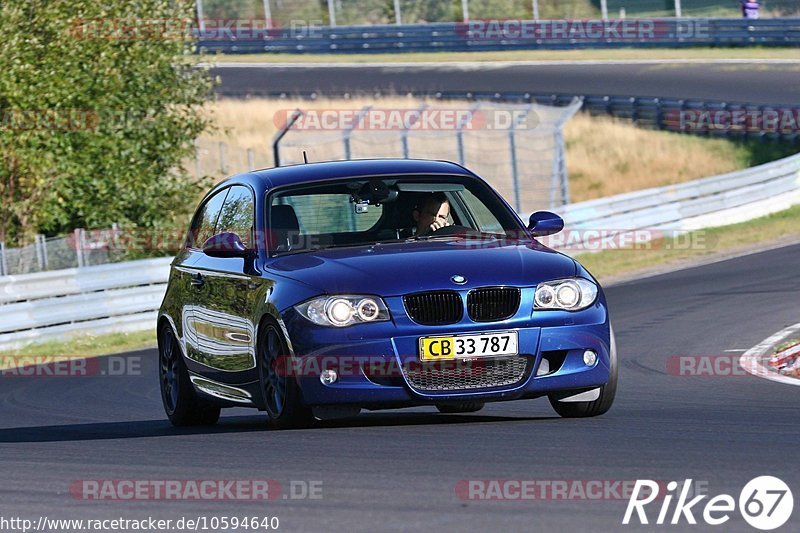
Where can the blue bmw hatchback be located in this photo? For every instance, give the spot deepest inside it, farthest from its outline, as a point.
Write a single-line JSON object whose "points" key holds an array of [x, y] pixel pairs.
{"points": [[322, 289]]}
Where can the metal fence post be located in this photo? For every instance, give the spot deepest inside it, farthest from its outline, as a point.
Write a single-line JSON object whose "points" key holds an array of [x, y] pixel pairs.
{"points": [[251, 159], [604, 9], [201, 21], [535, 9], [512, 144], [398, 19], [678, 10], [267, 14], [197, 169], [465, 10], [3, 260], [78, 240], [223, 163], [276, 141], [404, 135], [349, 131], [331, 14], [460, 134], [41, 251]]}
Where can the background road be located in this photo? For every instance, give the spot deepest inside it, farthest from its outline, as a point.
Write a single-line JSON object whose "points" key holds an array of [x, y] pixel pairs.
{"points": [[398, 470], [758, 82]]}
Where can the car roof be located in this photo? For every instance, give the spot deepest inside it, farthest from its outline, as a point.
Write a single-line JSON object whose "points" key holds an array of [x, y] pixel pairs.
{"points": [[311, 172]]}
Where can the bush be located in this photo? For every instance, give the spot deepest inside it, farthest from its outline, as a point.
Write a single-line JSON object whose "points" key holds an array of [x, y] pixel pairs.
{"points": [[100, 104]]}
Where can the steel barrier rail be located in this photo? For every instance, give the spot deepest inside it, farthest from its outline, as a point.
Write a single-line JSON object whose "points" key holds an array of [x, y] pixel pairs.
{"points": [[51, 305], [713, 201], [125, 296], [681, 115], [505, 35]]}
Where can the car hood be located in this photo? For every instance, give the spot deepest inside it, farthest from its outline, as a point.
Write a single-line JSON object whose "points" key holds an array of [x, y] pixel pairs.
{"points": [[401, 268]]}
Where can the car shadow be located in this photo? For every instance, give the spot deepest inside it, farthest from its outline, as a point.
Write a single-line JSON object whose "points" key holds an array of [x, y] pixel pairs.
{"points": [[234, 424]]}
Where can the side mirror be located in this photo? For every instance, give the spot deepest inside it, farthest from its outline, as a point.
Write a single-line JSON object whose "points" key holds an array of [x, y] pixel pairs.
{"points": [[225, 245], [544, 223]]}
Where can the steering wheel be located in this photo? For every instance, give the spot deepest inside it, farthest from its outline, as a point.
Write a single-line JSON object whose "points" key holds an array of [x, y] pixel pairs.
{"points": [[445, 231]]}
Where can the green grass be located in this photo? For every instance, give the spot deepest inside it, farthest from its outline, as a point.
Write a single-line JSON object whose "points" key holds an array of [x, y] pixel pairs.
{"points": [[786, 344], [753, 53], [707, 243], [86, 346]]}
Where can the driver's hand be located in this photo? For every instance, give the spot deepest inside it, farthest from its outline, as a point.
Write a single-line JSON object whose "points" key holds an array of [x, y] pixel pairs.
{"points": [[438, 224]]}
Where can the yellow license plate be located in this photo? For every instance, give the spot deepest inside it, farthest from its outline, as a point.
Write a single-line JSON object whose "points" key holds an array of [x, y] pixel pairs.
{"points": [[466, 346]]}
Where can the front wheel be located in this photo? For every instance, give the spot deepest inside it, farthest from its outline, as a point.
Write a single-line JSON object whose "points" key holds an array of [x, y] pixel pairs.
{"points": [[607, 393], [280, 392], [181, 403]]}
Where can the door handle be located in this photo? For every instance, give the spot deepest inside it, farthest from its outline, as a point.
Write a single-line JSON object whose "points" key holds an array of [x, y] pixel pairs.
{"points": [[197, 280]]}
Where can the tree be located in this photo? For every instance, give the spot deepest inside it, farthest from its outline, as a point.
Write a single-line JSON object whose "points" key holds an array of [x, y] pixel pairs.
{"points": [[99, 105]]}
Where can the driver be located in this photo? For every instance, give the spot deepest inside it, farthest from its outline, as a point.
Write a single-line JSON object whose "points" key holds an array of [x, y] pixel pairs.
{"points": [[431, 213]]}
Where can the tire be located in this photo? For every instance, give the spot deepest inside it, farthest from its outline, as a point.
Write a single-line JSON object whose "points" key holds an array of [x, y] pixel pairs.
{"points": [[462, 407], [181, 403], [280, 393], [607, 393]]}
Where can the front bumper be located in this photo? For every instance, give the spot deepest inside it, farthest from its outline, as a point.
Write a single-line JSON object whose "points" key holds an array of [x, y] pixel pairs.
{"points": [[370, 359]]}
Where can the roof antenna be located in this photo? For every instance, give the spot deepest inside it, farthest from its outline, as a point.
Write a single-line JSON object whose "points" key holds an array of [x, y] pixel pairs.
{"points": [[305, 157]]}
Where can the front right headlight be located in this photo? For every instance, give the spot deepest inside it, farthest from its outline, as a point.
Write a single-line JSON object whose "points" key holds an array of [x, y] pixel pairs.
{"points": [[344, 310], [571, 294]]}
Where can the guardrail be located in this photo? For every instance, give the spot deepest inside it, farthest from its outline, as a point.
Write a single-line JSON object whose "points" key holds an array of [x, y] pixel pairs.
{"points": [[717, 118], [101, 299], [508, 35], [708, 202], [126, 296]]}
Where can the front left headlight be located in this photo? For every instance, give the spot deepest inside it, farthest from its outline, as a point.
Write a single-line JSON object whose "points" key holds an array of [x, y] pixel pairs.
{"points": [[344, 310], [572, 294]]}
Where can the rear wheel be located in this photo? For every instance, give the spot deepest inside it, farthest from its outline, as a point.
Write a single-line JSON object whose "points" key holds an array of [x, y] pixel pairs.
{"points": [[607, 393], [280, 392], [181, 403], [461, 407]]}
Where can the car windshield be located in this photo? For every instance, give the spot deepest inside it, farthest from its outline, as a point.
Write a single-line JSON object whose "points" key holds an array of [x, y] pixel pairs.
{"points": [[384, 210]]}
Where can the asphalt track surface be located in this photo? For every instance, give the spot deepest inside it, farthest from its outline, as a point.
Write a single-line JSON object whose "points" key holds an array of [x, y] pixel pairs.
{"points": [[397, 470], [759, 83]]}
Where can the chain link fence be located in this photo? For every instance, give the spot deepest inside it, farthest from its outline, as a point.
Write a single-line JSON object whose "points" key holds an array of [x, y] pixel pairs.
{"points": [[304, 14], [698, 8], [518, 148], [56, 253]]}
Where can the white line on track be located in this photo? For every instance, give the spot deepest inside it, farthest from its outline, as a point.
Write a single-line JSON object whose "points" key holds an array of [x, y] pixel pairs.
{"points": [[491, 65], [753, 359]]}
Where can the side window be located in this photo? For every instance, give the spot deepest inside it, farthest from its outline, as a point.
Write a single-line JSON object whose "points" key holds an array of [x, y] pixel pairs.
{"points": [[237, 215], [206, 220], [483, 216]]}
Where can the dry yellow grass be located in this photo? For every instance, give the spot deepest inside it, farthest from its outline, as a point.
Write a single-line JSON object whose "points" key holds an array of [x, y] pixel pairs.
{"points": [[604, 156], [607, 156]]}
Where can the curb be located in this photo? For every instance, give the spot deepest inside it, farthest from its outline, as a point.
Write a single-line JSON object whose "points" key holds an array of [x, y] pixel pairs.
{"points": [[755, 360]]}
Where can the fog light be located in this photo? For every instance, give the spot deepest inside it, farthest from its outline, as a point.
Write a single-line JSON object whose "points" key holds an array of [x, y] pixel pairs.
{"points": [[328, 377], [589, 357]]}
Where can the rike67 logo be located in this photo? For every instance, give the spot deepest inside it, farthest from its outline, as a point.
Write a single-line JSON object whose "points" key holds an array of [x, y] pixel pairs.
{"points": [[765, 503]]}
